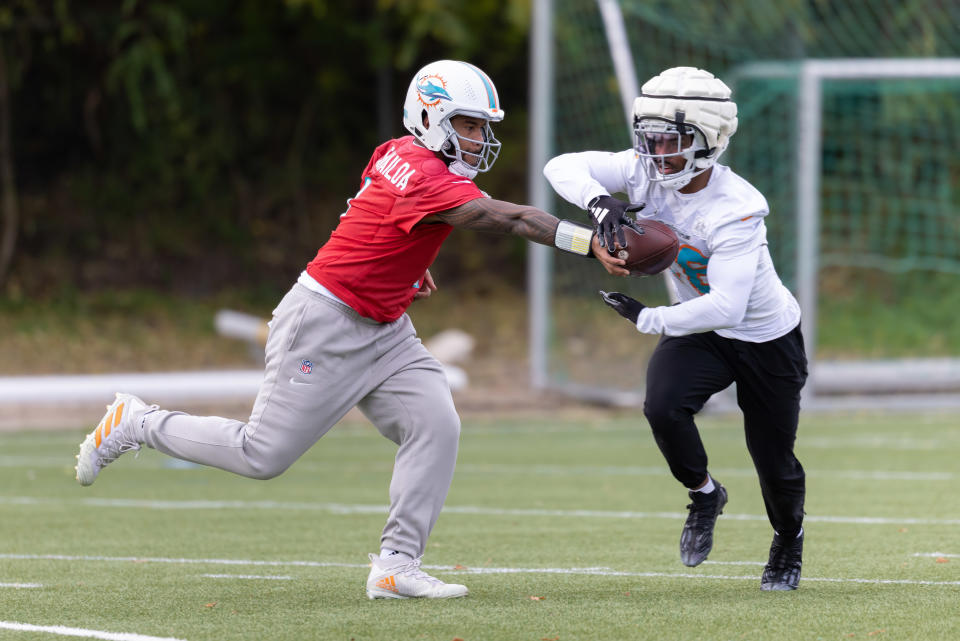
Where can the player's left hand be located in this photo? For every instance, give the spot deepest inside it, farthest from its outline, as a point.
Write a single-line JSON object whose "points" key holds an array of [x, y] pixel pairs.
{"points": [[426, 288], [627, 307]]}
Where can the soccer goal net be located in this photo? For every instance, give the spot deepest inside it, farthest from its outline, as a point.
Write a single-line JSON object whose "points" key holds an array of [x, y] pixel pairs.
{"points": [[849, 125]]}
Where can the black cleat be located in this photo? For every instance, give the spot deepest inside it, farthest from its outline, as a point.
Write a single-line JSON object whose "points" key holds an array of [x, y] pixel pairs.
{"points": [[696, 540], [782, 571]]}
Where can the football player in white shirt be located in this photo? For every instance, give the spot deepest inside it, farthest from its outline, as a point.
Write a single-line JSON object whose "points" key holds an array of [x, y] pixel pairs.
{"points": [[735, 322]]}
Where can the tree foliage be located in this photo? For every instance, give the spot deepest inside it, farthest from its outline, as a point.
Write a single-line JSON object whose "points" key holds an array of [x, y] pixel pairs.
{"points": [[199, 144]]}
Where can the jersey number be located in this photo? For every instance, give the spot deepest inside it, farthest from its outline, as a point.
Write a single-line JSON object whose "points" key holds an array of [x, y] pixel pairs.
{"points": [[694, 266], [366, 183]]}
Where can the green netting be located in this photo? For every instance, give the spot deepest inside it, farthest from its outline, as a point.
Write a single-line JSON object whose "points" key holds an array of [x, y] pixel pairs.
{"points": [[890, 208], [890, 166]]}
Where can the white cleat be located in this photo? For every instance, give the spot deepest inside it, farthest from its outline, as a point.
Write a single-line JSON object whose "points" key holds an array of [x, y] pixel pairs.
{"points": [[405, 580], [117, 433]]}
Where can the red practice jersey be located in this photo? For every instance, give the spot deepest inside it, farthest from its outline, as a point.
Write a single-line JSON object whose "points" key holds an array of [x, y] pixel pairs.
{"points": [[377, 256]]}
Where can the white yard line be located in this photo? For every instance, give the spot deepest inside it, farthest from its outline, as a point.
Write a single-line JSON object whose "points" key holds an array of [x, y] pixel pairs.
{"points": [[81, 632], [633, 470], [20, 586], [458, 569], [682, 575], [553, 470], [183, 561], [247, 576], [874, 442], [341, 508], [938, 555], [33, 461]]}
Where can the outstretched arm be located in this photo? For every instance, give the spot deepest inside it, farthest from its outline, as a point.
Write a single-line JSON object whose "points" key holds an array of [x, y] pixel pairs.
{"points": [[500, 216], [580, 177], [487, 214]]}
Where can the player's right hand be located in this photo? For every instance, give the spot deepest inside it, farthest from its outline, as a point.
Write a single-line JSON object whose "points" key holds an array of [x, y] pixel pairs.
{"points": [[610, 262], [608, 215]]}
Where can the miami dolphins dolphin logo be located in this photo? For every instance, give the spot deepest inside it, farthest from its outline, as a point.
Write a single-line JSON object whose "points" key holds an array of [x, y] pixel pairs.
{"points": [[431, 90]]}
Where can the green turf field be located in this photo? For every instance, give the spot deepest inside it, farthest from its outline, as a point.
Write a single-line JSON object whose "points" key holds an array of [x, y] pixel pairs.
{"points": [[562, 529]]}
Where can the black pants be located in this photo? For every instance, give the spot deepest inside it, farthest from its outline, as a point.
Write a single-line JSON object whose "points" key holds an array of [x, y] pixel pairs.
{"points": [[685, 371]]}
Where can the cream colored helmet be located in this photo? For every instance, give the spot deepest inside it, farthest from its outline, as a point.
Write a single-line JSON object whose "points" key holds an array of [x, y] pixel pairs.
{"points": [[682, 101], [444, 89]]}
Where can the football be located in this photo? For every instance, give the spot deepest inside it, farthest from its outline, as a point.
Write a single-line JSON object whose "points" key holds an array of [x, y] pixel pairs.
{"points": [[651, 247]]}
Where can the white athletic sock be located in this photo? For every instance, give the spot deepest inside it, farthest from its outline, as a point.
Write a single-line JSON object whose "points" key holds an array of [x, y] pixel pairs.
{"points": [[393, 555], [709, 487]]}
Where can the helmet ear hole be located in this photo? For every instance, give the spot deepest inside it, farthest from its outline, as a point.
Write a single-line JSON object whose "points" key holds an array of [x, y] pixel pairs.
{"points": [[425, 118]]}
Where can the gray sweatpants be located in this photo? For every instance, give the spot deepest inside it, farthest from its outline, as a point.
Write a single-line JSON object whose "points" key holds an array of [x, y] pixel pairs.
{"points": [[322, 359]]}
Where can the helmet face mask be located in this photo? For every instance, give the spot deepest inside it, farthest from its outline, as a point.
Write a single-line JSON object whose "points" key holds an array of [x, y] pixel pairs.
{"points": [[442, 90], [461, 149], [664, 145], [681, 102]]}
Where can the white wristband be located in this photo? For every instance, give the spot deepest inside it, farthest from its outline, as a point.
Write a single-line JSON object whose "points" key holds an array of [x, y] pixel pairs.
{"points": [[573, 238]]}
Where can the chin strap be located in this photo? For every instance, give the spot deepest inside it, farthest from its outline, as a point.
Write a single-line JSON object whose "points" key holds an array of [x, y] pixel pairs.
{"points": [[461, 168], [681, 182]]}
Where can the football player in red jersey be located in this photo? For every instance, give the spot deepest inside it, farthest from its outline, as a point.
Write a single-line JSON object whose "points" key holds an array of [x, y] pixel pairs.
{"points": [[340, 338]]}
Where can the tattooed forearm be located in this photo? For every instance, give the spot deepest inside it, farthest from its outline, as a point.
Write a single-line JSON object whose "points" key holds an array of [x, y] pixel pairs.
{"points": [[486, 214]]}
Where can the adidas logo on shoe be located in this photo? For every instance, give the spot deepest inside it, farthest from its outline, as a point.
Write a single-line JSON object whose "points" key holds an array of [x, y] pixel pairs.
{"points": [[387, 583]]}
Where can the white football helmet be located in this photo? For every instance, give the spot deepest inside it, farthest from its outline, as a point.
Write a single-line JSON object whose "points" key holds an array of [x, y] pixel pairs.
{"points": [[444, 89], [684, 112]]}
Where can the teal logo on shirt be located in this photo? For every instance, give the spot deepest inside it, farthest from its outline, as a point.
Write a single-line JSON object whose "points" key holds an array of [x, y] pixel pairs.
{"points": [[694, 266]]}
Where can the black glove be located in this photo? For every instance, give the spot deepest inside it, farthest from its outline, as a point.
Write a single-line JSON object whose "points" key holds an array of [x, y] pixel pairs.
{"points": [[627, 307], [608, 214]]}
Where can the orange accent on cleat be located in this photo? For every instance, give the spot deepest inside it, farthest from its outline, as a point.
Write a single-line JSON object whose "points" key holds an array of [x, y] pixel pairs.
{"points": [[114, 420], [388, 583], [115, 435]]}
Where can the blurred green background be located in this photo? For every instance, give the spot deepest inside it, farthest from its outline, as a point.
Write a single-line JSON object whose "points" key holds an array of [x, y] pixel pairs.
{"points": [[191, 146], [161, 160]]}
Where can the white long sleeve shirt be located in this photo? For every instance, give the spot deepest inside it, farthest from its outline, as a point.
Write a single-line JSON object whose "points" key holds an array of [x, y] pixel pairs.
{"points": [[724, 276]]}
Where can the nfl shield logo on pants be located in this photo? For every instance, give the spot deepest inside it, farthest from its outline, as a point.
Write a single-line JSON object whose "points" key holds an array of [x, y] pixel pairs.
{"points": [[306, 366]]}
